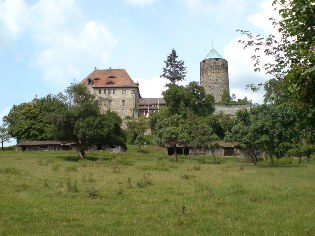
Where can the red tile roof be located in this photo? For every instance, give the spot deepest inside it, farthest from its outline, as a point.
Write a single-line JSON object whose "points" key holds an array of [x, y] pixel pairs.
{"points": [[109, 78]]}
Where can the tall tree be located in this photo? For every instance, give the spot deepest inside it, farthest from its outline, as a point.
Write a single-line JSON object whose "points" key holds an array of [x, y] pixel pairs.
{"points": [[174, 69]]}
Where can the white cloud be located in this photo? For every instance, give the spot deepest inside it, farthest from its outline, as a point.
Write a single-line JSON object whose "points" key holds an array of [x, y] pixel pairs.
{"points": [[241, 71], [63, 43], [152, 87], [261, 19], [13, 19], [140, 2], [64, 59]]}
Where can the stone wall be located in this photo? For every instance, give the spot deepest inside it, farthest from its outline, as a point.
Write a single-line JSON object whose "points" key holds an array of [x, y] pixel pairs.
{"points": [[231, 109], [214, 77], [124, 101]]}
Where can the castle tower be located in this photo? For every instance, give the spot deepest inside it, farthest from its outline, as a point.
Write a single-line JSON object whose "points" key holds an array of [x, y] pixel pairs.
{"points": [[214, 75]]}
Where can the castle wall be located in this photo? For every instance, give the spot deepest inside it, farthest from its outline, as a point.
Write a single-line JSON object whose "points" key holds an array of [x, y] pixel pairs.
{"points": [[214, 77], [231, 109], [124, 101]]}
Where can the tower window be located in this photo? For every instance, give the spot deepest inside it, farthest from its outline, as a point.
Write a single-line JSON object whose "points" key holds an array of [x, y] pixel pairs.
{"points": [[123, 102]]}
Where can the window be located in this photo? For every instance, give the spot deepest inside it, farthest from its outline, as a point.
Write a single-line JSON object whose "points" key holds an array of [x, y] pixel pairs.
{"points": [[104, 91], [108, 91], [133, 91], [123, 102], [99, 91], [124, 91], [113, 91]]}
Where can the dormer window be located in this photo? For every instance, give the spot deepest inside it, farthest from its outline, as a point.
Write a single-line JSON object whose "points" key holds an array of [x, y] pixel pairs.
{"points": [[110, 79]]}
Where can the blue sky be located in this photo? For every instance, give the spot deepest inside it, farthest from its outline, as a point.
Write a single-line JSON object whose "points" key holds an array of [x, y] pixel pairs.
{"points": [[47, 44]]}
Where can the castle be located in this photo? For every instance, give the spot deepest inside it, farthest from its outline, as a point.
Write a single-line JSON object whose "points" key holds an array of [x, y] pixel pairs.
{"points": [[121, 94]]}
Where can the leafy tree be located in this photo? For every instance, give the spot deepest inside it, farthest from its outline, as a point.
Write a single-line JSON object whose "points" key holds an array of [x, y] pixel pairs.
{"points": [[79, 120], [174, 69], [201, 135], [245, 134], [4, 135], [293, 63], [28, 121], [190, 98], [267, 128], [136, 129], [220, 124], [173, 131]]}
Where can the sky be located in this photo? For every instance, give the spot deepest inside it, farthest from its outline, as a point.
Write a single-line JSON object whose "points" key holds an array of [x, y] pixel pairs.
{"points": [[45, 45]]}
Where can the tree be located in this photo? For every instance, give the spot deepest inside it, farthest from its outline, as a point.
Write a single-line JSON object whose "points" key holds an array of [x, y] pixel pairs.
{"points": [[267, 128], [190, 98], [293, 63], [4, 135], [174, 69], [245, 134], [28, 121], [79, 120], [220, 124], [173, 131], [201, 135], [136, 129]]}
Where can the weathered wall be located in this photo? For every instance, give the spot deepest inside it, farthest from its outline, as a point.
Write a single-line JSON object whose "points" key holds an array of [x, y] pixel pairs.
{"points": [[124, 101], [214, 77], [230, 109]]}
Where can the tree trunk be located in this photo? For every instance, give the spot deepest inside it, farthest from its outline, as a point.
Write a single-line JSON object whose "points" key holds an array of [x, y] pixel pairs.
{"points": [[2, 145], [176, 157], [272, 161], [80, 151]]}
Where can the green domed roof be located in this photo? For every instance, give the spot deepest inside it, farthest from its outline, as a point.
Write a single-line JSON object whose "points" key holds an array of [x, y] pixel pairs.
{"points": [[213, 54]]}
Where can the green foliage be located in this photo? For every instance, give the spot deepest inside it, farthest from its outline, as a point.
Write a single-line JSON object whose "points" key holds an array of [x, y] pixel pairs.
{"points": [[188, 99], [136, 130], [173, 131], [80, 120], [29, 121], [174, 69], [293, 55], [266, 128], [4, 135], [226, 99], [220, 124]]}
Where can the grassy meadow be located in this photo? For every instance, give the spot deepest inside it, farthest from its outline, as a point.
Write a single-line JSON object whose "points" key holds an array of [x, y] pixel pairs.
{"points": [[147, 193]]}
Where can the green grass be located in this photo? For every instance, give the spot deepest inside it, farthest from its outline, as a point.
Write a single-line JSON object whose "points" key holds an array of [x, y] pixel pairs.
{"points": [[146, 193]]}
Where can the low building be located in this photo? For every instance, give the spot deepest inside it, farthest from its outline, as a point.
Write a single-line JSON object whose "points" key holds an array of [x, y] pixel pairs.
{"points": [[45, 145], [117, 91], [150, 105], [222, 149]]}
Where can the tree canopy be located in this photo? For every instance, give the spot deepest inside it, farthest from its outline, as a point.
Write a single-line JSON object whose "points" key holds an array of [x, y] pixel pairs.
{"points": [[174, 69], [293, 55], [80, 120]]}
